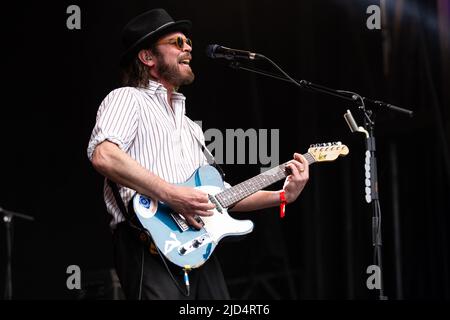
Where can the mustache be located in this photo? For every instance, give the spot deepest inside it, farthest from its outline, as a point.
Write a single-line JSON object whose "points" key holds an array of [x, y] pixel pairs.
{"points": [[185, 56]]}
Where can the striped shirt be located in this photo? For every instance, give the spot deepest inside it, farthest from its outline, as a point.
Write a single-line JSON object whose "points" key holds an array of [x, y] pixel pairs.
{"points": [[160, 138]]}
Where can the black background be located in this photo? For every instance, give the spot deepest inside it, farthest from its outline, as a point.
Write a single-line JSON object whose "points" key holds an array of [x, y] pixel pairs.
{"points": [[55, 78]]}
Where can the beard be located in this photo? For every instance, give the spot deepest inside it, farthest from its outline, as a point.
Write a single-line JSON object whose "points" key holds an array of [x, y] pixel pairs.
{"points": [[171, 73]]}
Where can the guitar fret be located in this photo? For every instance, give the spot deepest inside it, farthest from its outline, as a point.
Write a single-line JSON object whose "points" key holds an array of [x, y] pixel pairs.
{"points": [[242, 190]]}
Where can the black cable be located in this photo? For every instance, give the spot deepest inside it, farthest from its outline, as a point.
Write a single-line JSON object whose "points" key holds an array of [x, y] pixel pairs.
{"points": [[282, 71], [142, 274], [187, 292]]}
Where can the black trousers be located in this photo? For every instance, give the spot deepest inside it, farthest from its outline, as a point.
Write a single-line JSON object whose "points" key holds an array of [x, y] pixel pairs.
{"points": [[143, 274]]}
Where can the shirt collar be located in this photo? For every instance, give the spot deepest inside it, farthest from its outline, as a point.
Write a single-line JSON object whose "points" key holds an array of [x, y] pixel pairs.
{"points": [[155, 87]]}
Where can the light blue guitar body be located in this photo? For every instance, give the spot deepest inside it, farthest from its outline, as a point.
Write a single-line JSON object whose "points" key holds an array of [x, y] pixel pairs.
{"points": [[181, 244]]}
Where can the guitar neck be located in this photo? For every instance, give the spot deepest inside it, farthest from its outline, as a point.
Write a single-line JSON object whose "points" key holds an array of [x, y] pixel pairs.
{"points": [[244, 189]]}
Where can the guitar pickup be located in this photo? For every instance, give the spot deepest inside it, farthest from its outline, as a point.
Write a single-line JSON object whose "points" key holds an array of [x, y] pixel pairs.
{"points": [[199, 220], [215, 202]]}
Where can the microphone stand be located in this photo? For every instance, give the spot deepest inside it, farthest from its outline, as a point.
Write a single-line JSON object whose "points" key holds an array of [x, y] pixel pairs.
{"points": [[372, 194], [347, 95], [8, 219], [371, 182], [371, 186]]}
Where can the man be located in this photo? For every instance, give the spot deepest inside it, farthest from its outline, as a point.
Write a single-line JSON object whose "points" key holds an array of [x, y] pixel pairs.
{"points": [[143, 142]]}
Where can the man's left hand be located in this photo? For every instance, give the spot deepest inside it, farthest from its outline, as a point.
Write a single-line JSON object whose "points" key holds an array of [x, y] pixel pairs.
{"points": [[297, 179]]}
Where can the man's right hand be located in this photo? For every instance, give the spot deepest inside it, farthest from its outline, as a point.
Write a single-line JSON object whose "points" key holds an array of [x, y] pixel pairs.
{"points": [[189, 202]]}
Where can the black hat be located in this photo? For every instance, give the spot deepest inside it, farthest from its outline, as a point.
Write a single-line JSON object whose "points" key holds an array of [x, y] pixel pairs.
{"points": [[147, 28]]}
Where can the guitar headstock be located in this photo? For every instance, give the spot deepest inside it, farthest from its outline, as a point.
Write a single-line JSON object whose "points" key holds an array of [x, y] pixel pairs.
{"points": [[328, 151]]}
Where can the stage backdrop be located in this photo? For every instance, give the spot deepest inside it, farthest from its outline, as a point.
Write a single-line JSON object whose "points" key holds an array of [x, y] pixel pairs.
{"points": [[57, 74]]}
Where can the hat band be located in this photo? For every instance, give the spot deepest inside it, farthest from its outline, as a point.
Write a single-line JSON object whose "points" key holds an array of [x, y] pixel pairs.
{"points": [[171, 22], [149, 34]]}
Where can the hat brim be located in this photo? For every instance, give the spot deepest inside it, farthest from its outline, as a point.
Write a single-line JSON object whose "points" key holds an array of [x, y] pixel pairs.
{"points": [[147, 40]]}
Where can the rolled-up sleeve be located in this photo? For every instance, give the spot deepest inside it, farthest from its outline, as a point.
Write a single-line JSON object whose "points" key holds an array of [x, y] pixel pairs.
{"points": [[117, 120]]}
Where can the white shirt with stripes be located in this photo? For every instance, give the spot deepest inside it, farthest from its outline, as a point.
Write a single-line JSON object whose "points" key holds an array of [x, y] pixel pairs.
{"points": [[159, 137]]}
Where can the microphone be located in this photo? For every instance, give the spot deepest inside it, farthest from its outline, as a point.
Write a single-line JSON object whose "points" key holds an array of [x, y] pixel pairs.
{"points": [[215, 51]]}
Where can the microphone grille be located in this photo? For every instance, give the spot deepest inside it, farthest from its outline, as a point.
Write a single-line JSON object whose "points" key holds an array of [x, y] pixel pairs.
{"points": [[210, 50]]}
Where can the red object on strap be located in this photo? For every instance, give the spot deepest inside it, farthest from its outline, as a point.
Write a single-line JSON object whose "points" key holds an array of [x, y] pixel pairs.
{"points": [[282, 204]]}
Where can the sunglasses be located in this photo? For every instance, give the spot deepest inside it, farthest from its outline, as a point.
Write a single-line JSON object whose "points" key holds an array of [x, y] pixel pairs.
{"points": [[178, 41]]}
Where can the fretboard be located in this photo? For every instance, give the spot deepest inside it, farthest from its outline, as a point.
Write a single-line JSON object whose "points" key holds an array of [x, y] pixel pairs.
{"points": [[244, 189]]}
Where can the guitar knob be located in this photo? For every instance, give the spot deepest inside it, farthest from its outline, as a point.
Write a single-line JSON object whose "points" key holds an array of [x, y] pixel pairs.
{"points": [[182, 250]]}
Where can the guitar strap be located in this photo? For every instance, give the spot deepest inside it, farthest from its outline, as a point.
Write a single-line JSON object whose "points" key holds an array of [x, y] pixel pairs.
{"points": [[209, 157], [141, 233], [211, 160]]}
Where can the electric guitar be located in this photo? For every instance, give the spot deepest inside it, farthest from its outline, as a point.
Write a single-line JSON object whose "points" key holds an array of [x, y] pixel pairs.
{"points": [[185, 246]]}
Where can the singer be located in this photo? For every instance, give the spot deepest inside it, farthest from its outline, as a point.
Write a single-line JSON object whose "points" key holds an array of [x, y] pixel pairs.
{"points": [[143, 142]]}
